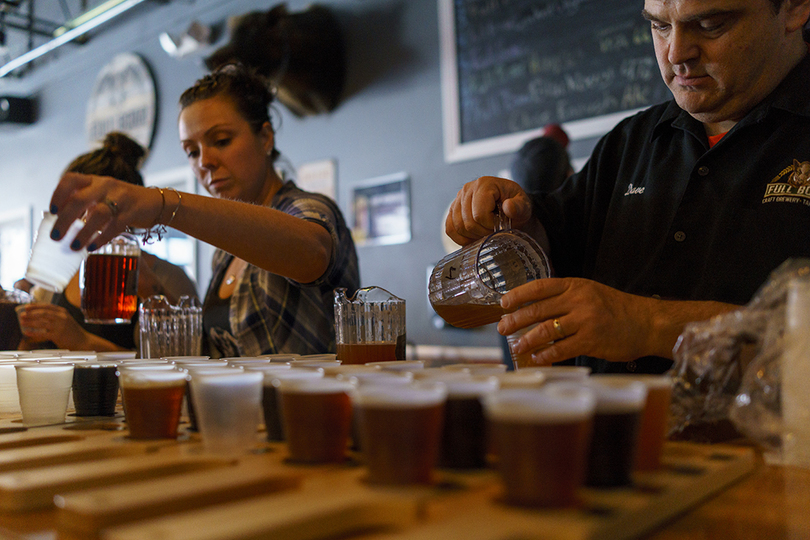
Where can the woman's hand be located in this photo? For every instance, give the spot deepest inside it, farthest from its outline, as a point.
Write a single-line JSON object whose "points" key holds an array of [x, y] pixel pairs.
{"points": [[107, 206], [473, 212], [48, 322]]}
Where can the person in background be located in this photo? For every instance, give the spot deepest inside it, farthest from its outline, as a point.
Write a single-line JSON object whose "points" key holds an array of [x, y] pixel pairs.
{"points": [[281, 251], [61, 324], [542, 164], [684, 209]]}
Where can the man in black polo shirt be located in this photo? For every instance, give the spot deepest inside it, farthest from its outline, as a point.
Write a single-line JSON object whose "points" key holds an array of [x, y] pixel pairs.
{"points": [[684, 209]]}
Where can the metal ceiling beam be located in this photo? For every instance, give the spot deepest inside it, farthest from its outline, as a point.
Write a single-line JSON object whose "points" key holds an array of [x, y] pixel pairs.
{"points": [[72, 30]]}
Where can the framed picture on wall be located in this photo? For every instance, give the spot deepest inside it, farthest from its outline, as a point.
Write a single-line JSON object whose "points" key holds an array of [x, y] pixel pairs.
{"points": [[175, 247], [15, 245], [381, 208]]}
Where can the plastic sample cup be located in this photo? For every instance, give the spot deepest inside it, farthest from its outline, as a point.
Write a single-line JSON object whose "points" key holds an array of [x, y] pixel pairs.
{"points": [[270, 398], [152, 402], [400, 431], [654, 419], [464, 444], [44, 392], [213, 369], [317, 416], [522, 360], [542, 439], [619, 404], [53, 264], [95, 389], [228, 408]]}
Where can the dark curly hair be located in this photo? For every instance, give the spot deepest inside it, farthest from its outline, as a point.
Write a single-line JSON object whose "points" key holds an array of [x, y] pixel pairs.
{"points": [[248, 91], [119, 157]]}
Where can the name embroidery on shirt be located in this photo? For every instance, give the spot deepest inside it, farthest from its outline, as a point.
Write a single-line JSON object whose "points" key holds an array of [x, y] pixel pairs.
{"points": [[791, 185], [634, 190]]}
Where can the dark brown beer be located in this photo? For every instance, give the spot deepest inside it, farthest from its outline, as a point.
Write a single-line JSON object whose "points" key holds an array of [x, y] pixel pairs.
{"points": [[464, 434], [610, 462], [153, 412], [109, 288], [542, 464], [95, 389], [400, 445], [317, 425], [469, 315]]}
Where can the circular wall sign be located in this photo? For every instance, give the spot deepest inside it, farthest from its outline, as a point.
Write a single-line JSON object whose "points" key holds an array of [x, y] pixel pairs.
{"points": [[123, 99]]}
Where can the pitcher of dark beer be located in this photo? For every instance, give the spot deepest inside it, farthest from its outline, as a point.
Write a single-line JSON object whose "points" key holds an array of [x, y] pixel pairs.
{"points": [[108, 279], [465, 287], [369, 326]]}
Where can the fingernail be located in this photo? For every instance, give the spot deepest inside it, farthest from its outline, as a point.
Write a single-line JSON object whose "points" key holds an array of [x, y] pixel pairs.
{"points": [[55, 234], [54, 209], [92, 247], [75, 245]]}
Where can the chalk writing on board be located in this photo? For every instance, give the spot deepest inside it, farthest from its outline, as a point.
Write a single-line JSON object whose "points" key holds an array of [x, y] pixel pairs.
{"points": [[522, 64]]}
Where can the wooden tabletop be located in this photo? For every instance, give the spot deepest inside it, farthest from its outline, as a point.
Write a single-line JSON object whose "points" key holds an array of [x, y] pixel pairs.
{"points": [[762, 502], [772, 503]]}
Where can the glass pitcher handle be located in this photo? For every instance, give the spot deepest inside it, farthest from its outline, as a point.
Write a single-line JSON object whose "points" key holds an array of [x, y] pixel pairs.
{"points": [[502, 222]]}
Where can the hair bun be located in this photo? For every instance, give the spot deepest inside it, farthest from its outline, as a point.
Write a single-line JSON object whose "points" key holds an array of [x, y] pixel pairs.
{"points": [[126, 148]]}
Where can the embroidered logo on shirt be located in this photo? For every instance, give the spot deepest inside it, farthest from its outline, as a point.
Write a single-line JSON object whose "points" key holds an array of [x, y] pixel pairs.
{"points": [[633, 190], [791, 185]]}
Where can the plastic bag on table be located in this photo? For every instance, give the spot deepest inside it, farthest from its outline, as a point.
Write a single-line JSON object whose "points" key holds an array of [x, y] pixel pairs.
{"points": [[727, 369]]}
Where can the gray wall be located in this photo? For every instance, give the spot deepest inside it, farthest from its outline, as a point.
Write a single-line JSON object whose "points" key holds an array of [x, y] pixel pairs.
{"points": [[390, 122]]}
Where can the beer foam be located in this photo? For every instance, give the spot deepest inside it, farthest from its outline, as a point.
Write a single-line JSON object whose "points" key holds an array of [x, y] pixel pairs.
{"points": [[398, 365], [544, 405], [553, 373], [400, 396], [151, 379], [521, 379]]}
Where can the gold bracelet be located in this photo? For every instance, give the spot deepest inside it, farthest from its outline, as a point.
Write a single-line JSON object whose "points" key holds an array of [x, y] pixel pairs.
{"points": [[176, 208], [156, 228]]}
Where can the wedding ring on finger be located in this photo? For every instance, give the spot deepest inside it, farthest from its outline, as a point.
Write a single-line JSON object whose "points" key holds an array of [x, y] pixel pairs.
{"points": [[113, 206], [558, 328]]}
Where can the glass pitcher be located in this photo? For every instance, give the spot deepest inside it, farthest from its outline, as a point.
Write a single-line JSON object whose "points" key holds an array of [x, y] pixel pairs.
{"points": [[370, 326], [465, 287]]}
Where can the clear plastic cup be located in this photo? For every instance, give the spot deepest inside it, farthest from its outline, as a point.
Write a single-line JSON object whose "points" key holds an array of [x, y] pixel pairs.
{"points": [[153, 401], [53, 264], [400, 431], [228, 409], [44, 392], [542, 440], [317, 417]]}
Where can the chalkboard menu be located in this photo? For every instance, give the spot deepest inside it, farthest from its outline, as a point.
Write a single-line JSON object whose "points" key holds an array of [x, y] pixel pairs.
{"points": [[521, 64]]}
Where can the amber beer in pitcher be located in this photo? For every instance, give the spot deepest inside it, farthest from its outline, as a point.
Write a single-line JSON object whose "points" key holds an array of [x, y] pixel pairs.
{"points": [[109, 282], [465, 287]]}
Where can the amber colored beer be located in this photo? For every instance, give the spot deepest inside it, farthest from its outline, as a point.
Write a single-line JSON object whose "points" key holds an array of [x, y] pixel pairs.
{"points": [[652, 432], [400, 431], [109, 288], [542, 440], [363, 353], [153, 412], [469, 315], [541, 464], [317, 421]]}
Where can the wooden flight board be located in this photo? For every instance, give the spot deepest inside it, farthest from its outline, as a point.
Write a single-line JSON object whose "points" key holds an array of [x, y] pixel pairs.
{"points": [[107, 486]]}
